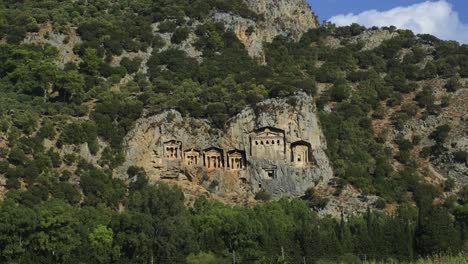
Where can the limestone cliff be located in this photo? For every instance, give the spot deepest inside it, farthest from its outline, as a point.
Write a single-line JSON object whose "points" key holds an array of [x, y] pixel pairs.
{"points": [[287, 18], [276, 146]]}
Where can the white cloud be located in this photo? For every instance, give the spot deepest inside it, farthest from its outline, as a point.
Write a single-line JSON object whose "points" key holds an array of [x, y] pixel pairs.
{"points": [[435, 18]]}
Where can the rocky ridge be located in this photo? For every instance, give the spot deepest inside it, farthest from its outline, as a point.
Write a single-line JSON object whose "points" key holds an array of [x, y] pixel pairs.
{"points": [[279, 18]]}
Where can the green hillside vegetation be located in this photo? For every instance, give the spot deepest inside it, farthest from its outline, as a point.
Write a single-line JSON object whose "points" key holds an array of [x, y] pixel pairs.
{"points": [[60, 209], [461, 259]]}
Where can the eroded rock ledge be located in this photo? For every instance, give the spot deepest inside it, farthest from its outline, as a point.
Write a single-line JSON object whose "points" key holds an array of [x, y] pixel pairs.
{"points": [[276, 146]]}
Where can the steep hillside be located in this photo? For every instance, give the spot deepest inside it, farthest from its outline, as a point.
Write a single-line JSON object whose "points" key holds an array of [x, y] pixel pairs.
{"points": [[212, 61], [118, 119]]}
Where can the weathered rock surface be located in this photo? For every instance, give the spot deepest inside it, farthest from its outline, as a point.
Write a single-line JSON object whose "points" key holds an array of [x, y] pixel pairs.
{"points": [[295, 117], [372, 38], [454, 115], [287, 17], [63, 43], [350, 202]]}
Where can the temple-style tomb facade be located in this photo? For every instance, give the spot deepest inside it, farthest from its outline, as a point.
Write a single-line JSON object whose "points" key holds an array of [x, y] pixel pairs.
{"points": [[192, 157], [172, 150], [266, 144], [301, 152], [213, 158], [236, 159]]}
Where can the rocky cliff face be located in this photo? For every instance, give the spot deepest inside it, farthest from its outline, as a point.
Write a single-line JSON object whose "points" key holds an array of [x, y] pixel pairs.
{"points": [[277, 146], [287, 17]]}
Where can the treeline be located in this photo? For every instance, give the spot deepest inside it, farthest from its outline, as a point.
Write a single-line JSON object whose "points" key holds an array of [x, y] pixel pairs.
{"points": [[157, 227]]}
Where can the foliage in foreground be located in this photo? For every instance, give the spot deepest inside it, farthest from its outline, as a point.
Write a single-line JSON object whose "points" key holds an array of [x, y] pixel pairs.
{"points": [[461, 259], [157, 226]]}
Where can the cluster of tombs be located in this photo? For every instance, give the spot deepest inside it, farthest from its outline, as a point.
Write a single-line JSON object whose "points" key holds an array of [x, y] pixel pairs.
{"points": [[266, 144]]}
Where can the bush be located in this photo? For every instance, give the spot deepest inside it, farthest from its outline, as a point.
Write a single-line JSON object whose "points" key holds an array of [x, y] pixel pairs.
{"points": [[4, 165], [380, 204], [262, 195], [26, 121], [180, 35], [340, 91], [17, 156], [131, 66], [314, 200], [213, 186], [349, 259], [453, 84], [79, 133], [67, 192], [425, 98], [205, 258], [449, 184], [440, 134], [461, 156], [47, 131], [167, 26]]}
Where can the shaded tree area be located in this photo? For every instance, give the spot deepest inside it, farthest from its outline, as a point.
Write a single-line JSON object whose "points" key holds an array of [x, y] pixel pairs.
{"points": [[157, 226]]}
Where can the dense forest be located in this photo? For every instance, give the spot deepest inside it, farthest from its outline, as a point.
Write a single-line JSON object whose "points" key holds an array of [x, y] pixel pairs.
{"points": [[62, 209]]}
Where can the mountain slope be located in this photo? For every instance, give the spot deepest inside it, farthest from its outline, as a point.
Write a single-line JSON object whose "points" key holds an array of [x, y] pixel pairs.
{"points": [[118, 119], [99, 67]]}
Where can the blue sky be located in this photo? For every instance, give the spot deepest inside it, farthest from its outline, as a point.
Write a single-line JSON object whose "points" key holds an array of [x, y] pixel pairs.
{"points": [[446, 19], [328, 8]]}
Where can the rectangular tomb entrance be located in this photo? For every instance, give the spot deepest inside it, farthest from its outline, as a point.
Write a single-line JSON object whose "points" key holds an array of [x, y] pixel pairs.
{"points": [[213, 158], [236, 160], [269, 172], [301, 152], [192, 157], [172, 150]]}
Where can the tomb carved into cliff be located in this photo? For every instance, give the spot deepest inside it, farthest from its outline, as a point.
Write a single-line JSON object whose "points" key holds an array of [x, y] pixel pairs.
{"points": [[277, 147]]}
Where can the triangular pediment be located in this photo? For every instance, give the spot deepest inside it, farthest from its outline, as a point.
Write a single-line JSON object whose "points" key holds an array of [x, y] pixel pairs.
{"points": [[268, 133]]}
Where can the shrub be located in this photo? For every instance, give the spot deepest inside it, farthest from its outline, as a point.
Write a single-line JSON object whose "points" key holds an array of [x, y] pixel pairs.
{"points": [[26, 121], [180, 35], [453, 84], [262, 195], [167, 26], [380, 204], [17, 156], [79, 133], [461, 156], [449, 184], [340, 91], [425, 98], [440, 134], [131, 66], [4, 165], [205, 258]]}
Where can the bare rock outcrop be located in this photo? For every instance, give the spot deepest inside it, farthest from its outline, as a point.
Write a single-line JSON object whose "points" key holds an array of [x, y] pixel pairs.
{"points": [[373, 38], [277, 18], [444, 164], [276, 146], [63, 42]]}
